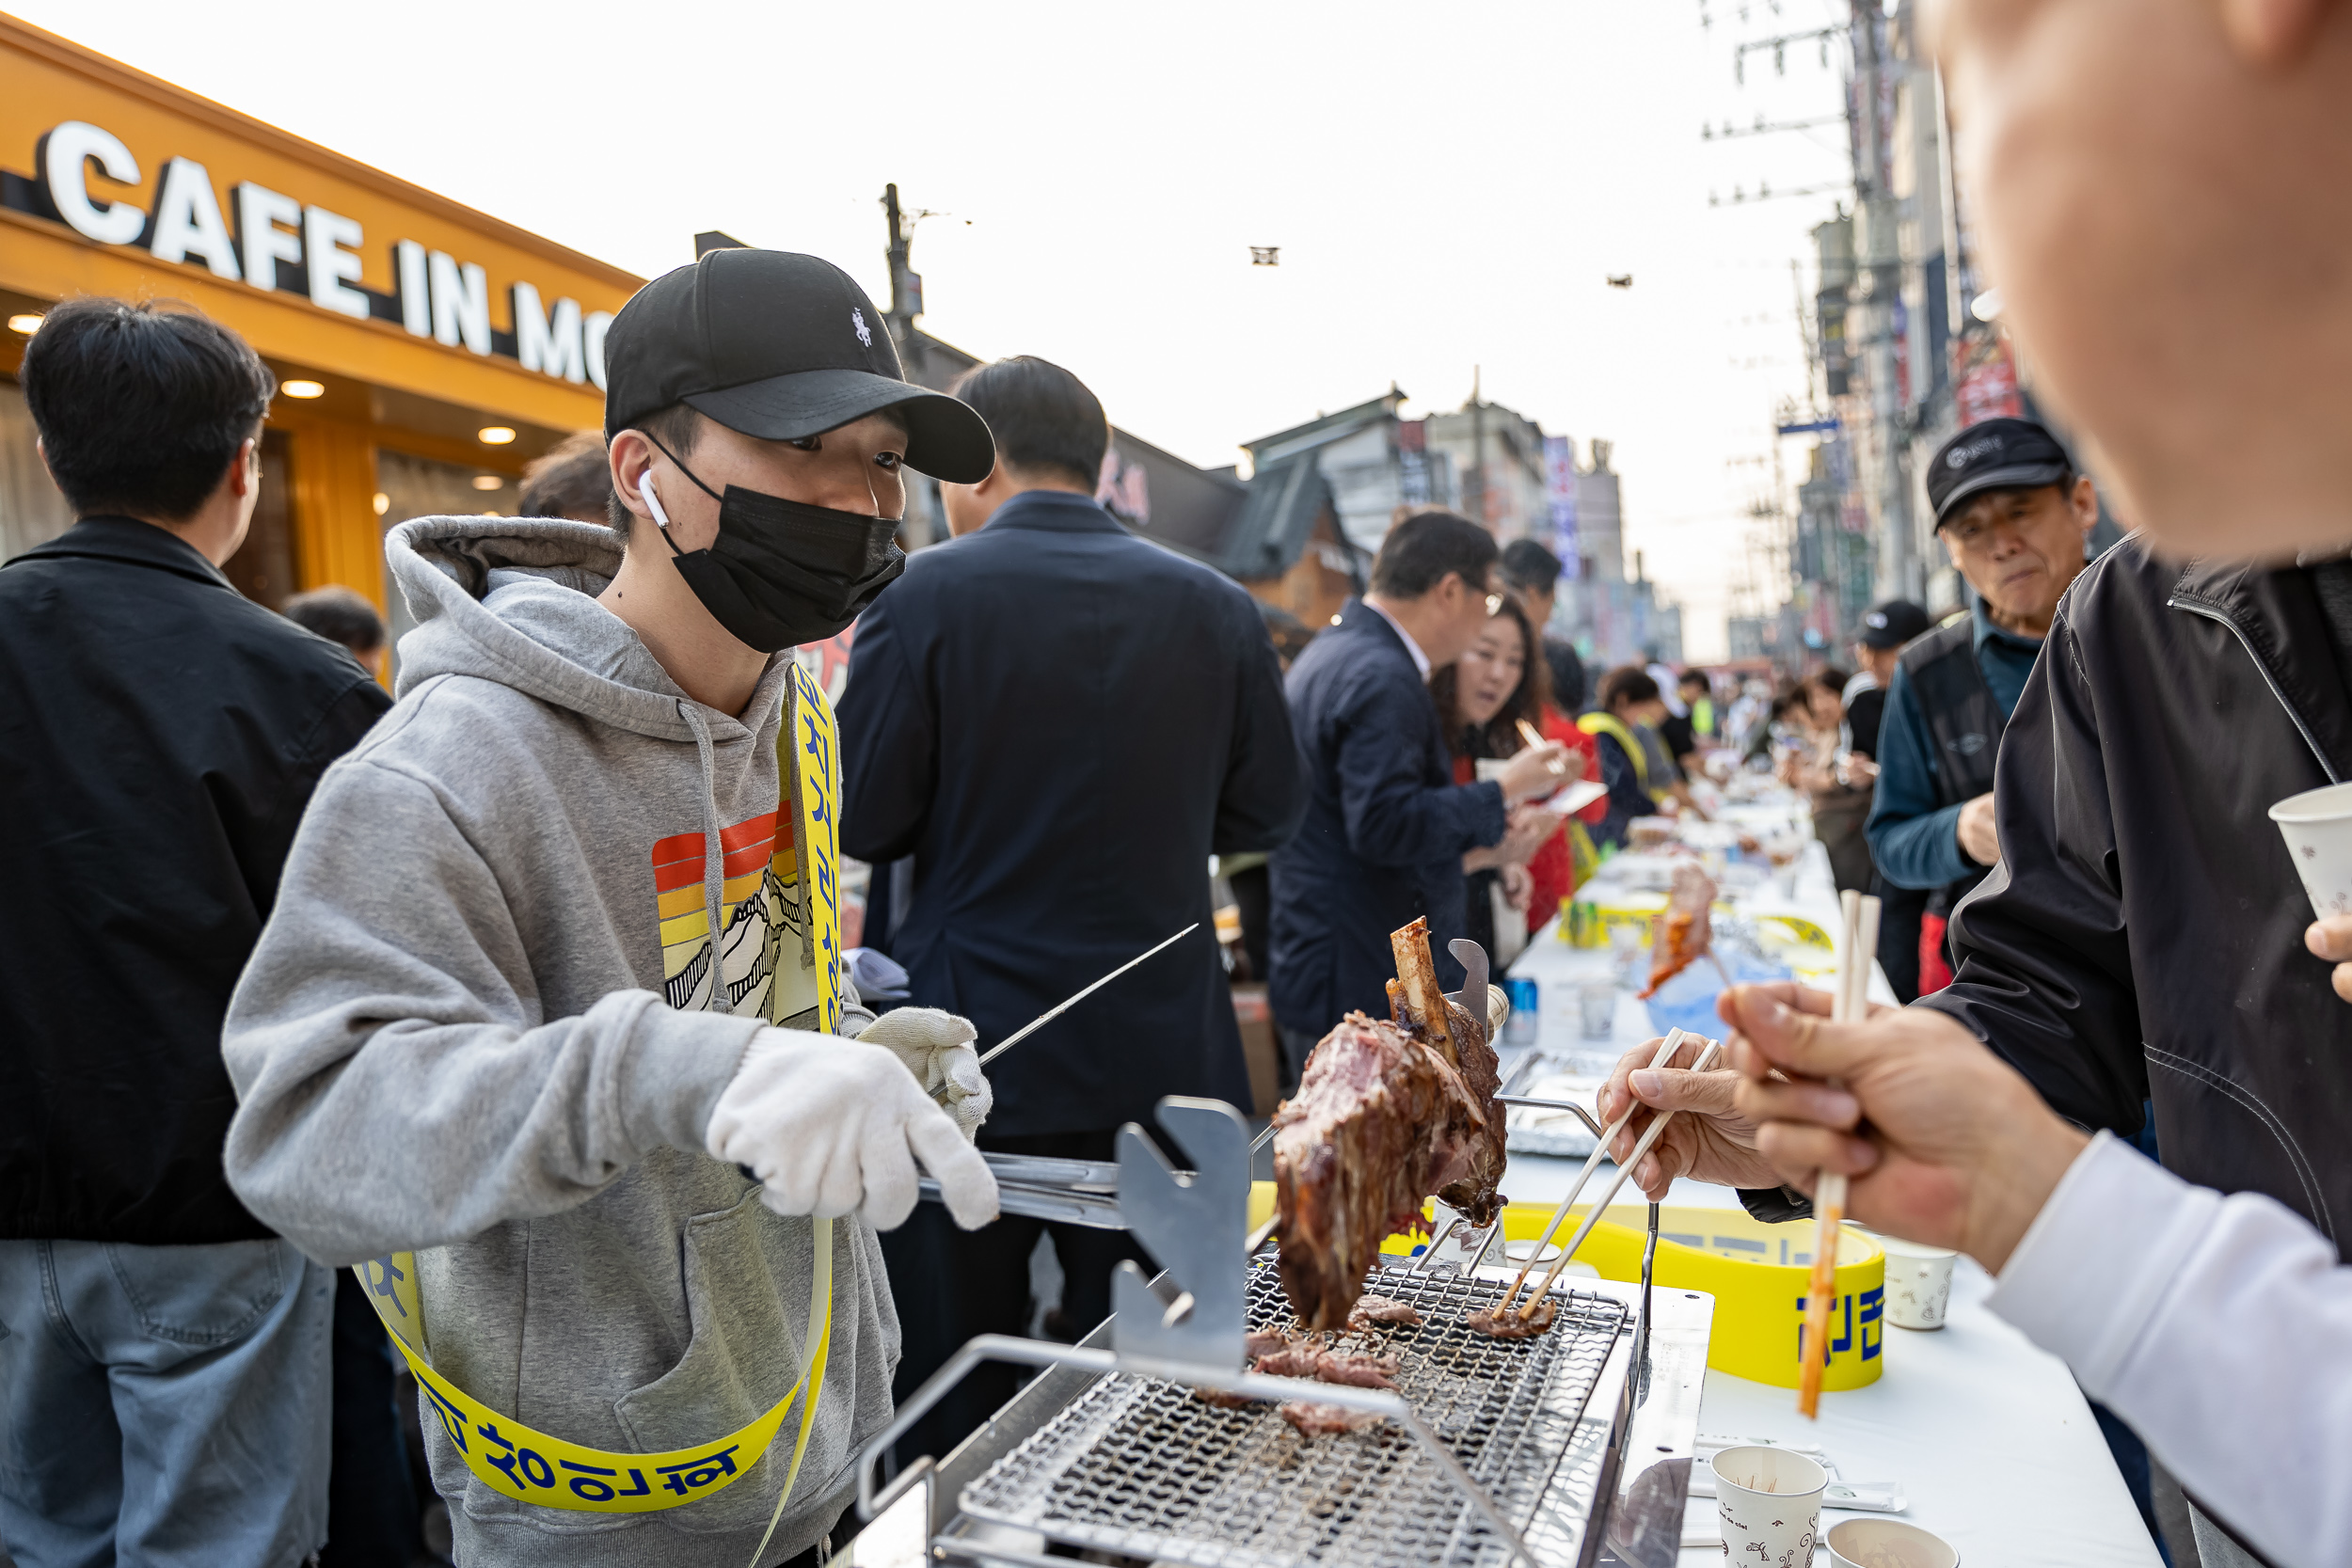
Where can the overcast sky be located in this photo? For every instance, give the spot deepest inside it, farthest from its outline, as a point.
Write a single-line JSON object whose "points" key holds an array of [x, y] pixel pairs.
{"points": [[1449, 185]]}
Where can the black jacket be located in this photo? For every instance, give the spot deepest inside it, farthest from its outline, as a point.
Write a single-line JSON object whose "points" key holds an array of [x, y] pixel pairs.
{"points": [[1060, 723], [2142, 938], [160, 735], [1385, 832]]}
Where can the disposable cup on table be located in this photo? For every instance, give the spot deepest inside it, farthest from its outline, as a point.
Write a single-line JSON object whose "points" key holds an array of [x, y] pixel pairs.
{"points": [[1888, 1544], [2317, 825], [1597, 1009], [1769, 1502], [1918, 1283]]}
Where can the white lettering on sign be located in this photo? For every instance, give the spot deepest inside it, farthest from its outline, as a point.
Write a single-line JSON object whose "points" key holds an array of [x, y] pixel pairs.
{"points": [[189, 221], [546, 342], [592, 330], [438, 296], [66, 154], [331, 242], [265, 224], [461, 303]]}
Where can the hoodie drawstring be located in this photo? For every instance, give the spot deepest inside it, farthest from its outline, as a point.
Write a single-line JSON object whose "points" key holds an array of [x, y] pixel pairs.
{"points": [[714, 853]]}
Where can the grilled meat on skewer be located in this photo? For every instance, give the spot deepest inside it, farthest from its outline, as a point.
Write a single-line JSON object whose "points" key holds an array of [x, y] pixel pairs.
{"points": [[1381, 1120], [1684, 931]]}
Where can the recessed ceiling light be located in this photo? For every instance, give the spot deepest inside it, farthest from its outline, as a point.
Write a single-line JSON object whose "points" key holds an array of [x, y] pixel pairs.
{"points": [[28, 324], [303, 388], [494, 434], [383, 503], [489, 482]]}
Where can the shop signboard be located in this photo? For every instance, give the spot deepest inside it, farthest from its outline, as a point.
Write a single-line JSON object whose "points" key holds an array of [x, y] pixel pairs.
{"points": [[112, 181]]}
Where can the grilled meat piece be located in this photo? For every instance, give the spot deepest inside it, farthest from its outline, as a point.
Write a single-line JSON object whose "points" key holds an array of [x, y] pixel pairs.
{"points": [[1327, 1420], [1381, 1120], [1364, 1371], [1222, 1399], [1290, 1361], [1263, 1341], [1380, 1310], [1509, 1325], [1685, 931]]}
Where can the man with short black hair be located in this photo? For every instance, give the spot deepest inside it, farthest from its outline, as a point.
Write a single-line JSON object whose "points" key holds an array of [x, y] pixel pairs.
{"points": [[1533, 572], [163, 1379], [342, 615], [1386, 825], [549, 1030], [574, 481], [1058, 724], [2015, 516]]}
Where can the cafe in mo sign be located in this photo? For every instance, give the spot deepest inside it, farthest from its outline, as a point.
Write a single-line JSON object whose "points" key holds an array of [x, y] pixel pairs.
{"points": [[424, 352]]}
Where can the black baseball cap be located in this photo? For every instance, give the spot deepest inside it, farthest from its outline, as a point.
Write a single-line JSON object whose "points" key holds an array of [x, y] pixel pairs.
{"points": [[1892, 624], [1993, 454], [781, 347]]}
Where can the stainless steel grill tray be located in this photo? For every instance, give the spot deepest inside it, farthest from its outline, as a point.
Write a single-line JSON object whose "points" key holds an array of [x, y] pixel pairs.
{"points": [[1144, 1469]]}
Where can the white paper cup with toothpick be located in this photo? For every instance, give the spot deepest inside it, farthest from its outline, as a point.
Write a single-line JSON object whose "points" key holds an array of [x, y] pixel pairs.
{"points": [[1769, 1502], [2317, 825]]}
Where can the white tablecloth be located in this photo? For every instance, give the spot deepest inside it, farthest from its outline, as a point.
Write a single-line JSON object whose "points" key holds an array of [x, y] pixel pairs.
{"points": [[1989, 1438]]}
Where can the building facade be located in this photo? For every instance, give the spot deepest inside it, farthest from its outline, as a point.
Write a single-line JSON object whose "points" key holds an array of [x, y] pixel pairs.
{"points": [[425, 351]]}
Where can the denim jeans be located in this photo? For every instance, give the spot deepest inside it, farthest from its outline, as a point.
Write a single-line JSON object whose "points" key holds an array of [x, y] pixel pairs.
{"points": [[163, 1407]]}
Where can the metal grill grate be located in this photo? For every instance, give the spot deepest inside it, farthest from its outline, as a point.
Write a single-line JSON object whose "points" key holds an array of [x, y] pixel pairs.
{"points": [[1144, 1469]]}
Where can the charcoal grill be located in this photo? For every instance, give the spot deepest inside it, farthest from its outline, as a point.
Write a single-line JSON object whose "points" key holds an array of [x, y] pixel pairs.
{"points": [[1570, 1448]]}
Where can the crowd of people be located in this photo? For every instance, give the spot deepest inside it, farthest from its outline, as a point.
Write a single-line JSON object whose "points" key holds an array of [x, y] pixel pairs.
{"points": [[518, 997]]}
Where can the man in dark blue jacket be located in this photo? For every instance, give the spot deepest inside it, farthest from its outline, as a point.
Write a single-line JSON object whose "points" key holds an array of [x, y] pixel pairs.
{"points": [[1059, 724], [1386, 825]]}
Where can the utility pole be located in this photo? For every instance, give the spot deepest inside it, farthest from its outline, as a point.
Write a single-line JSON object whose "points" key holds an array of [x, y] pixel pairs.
{"points": [[906, 285], [1879, 280], [1478, 443]]}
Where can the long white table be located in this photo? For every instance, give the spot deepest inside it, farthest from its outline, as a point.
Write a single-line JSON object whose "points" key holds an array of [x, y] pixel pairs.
{"points": [[1989, 1438]]}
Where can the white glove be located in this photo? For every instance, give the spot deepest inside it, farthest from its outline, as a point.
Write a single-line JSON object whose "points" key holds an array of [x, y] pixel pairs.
{"points": [[834, 1127], [937, 1048]]}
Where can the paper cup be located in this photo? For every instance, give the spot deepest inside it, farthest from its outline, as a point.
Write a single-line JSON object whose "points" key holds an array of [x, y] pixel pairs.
{"points": [[2317, 825], [1918, 1283], [1888, 1544], [1770, 1501]]}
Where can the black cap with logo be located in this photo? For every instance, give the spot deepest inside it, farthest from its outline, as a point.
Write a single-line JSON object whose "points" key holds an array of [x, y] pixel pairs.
{"points": [[1993, 454], [1892, 624], [779, 347]]}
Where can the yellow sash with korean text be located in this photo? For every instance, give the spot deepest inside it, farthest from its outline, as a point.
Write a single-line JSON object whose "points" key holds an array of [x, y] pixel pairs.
{"points": [[537, 1467]]}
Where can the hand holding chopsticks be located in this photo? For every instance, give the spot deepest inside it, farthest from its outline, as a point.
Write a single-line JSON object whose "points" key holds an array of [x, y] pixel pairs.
{"points": [[1650, 1134]]}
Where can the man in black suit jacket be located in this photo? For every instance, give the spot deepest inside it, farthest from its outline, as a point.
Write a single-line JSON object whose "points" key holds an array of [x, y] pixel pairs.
{"points": [[1386, 825], [1061, 724]]}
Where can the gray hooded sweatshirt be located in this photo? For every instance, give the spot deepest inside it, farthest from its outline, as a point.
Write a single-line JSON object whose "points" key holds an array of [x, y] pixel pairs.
{"points": [[480, 1021]]}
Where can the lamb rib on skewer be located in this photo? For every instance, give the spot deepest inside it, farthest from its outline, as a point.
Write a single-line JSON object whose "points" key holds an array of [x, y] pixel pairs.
{"points": [[1387, 1114]]}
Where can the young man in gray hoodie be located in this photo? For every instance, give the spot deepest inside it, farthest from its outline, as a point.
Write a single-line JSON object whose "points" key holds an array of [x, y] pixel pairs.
{"points": [[487, 1023]]}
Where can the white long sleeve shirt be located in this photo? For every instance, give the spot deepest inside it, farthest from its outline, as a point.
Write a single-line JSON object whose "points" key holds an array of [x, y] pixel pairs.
{"points": [[2220, 1328]]}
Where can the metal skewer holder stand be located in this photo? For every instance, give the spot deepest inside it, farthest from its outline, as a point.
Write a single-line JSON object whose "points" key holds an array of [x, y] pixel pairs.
{"points": [[1185, 1327]]}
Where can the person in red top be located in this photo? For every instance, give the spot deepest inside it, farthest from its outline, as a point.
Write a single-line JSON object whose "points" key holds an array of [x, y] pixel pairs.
{"points": [[1484, 697]]}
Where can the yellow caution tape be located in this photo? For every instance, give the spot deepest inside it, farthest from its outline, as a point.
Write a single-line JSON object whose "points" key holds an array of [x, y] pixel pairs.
{"points": [[534, 1467]]}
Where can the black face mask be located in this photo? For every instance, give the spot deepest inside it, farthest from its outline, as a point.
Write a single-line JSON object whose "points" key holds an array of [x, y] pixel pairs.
{"points": [[781, 573]]}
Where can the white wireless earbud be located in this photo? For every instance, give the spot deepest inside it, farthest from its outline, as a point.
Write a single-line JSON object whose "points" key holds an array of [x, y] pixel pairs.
{"points": [[653, 502]]}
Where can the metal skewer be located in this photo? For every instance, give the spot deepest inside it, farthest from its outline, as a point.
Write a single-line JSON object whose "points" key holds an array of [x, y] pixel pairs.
{"points": [[1666, 1048], [1052, 1013], [1600, 1205]]}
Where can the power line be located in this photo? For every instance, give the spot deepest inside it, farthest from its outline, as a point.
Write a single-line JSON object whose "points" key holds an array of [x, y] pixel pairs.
{"points": [[1709, 132]]}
